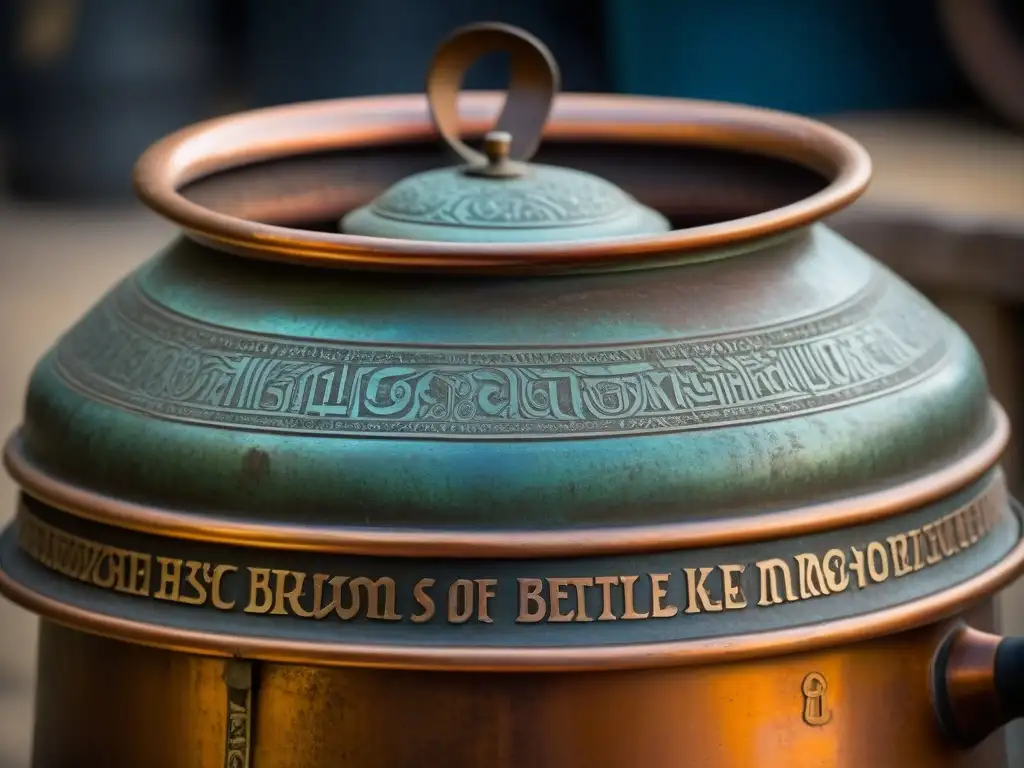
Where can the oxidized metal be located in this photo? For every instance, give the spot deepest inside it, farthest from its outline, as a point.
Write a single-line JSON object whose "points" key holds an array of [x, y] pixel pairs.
{"points": [[498, 195], [546, 484]]}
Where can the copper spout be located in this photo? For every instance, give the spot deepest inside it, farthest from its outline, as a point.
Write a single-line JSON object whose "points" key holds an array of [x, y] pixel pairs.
{"points": [[978, 684]]}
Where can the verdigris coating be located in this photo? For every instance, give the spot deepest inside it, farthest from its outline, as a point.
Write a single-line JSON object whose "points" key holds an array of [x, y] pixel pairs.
{"points": [[544, 204], [786, 374]]}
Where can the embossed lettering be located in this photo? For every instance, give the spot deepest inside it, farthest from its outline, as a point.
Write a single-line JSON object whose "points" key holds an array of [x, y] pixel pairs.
{"points": [[485, 593], [559, 591], [960, 530], [288, 589], [858, 567], [660, 609], [381, 596], [834, 567], [734, 598], [136, 574], [460, 601], [698, 597], [974, 523], [215, 580], [190, 582], [915, 538], [261, 598], [424, 601], [770, 571], [606, 583], [811, 576], [878, 562], [169, 578], [295, 594], [199, 595], [108, 569], [629, 598], [532, 606], [932, 548], [321, 611], [946, 537], [898, 548]]}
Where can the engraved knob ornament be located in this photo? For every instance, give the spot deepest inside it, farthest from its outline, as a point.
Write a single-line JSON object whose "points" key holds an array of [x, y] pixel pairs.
{"points": [[600, 450], [498, 195]]}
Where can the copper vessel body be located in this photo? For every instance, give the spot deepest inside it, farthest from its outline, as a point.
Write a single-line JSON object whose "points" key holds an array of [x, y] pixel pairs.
{"points": [[143, 706]]}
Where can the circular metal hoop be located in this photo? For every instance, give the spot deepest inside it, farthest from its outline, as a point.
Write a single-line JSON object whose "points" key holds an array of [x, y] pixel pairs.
{"points": [[533, 83], [275, 133]]}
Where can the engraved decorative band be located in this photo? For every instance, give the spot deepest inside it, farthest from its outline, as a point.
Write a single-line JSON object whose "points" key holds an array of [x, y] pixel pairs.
{"points": [[279, 591], [137, 355], [690, 595]]}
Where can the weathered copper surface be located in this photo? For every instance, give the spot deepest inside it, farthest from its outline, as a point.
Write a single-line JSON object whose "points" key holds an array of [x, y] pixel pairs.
{"points": [[172, 711], [721, 494]]}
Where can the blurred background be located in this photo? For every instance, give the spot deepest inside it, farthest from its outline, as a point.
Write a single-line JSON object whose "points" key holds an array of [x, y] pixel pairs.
{"points": [[933, 88]]}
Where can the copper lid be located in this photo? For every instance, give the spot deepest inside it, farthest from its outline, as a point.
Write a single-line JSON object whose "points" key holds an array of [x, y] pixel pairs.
{"points": [[499, 196]]}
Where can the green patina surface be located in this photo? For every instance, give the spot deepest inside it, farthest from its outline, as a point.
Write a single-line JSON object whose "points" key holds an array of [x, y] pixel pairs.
{"points": [[792, 373], [546, 204]]}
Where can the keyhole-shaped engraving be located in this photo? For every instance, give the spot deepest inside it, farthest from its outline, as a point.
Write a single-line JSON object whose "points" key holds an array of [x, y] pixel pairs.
{"points": [[816, 711]]}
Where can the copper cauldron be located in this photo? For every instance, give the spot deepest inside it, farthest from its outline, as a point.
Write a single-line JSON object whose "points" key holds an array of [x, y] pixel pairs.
{"points": [[520, 468]]}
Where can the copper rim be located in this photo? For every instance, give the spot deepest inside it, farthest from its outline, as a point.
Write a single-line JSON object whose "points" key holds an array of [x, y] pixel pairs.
{"points": [[277, 132], [933, 608], [512, 544]]}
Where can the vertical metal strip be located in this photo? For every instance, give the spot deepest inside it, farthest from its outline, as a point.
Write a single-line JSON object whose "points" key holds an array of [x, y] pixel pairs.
{"points": [[238, 740]]}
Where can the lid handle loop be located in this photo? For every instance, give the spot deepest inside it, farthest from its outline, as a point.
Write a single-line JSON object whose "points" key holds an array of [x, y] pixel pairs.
{"points": [[533, 83]]}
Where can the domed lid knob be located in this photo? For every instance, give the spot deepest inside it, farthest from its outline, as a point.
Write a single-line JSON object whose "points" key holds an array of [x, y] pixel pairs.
{"points": [[497, 195]]}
